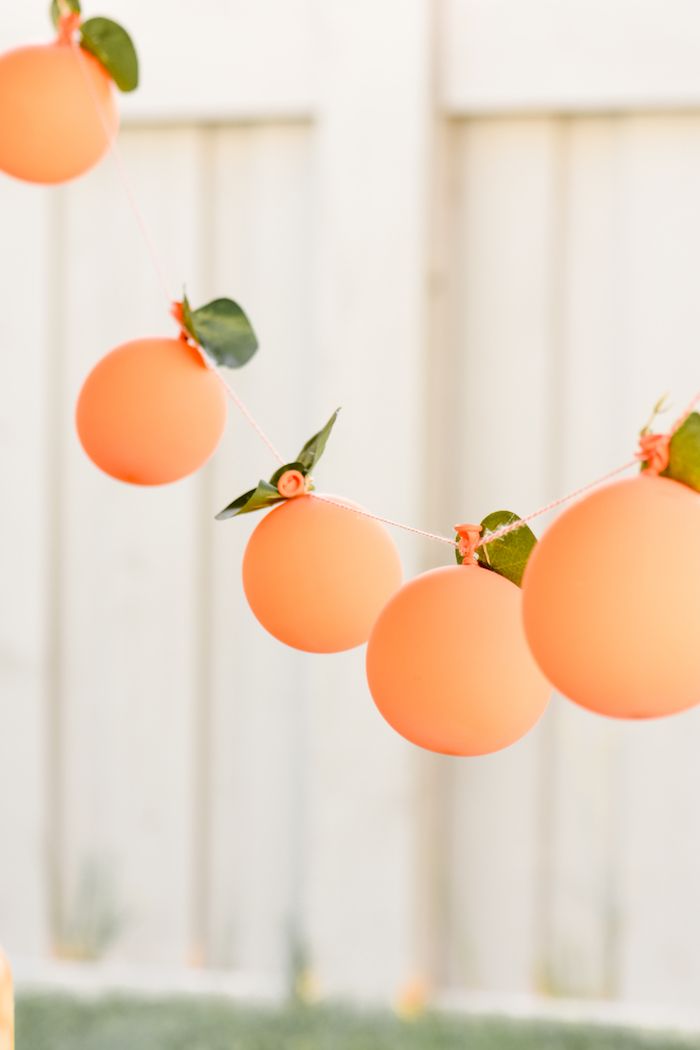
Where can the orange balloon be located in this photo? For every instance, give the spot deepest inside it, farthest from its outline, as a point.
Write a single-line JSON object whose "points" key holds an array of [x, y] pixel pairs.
{"points": [[316, 576], [611, 599], [151, 412], [50, 127], [448, 665]]}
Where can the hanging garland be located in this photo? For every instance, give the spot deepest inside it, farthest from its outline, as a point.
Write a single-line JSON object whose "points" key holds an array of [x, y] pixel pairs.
{"points": [[460, 660]]}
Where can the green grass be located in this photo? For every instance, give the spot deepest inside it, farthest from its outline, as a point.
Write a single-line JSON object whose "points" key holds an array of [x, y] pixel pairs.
{"points": [[61, 1023]]}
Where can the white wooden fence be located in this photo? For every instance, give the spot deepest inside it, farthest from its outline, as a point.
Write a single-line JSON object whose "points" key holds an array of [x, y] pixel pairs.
{"points": [[474, 224]]}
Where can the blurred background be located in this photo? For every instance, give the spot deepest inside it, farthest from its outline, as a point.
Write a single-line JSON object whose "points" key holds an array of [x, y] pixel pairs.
{"points": [[474, 224]]}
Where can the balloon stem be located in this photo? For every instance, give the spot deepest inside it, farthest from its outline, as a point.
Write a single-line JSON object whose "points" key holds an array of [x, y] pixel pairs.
{"points": [[469, 540], [68, 25]]}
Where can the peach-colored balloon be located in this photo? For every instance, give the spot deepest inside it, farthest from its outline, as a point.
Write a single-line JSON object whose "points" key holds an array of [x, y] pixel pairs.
{"points": [[316, 576], [151, 412], [50, 125], [611, 599], [448, 665]]}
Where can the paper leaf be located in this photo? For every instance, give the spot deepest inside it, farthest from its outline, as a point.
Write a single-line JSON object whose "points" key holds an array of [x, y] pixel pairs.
{"points": [[315, 446], [72, 6], [684, 454], [223, 331], [507, 556], [114, 49], [256, 499]]}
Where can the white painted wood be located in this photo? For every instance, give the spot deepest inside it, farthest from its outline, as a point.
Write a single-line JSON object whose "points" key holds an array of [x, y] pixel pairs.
{"points": [[260, 252], [25, 436], [659, 857], [593, 437], [214, 60], [370, 229], [504, 325], [129, 565], [569, 55]]}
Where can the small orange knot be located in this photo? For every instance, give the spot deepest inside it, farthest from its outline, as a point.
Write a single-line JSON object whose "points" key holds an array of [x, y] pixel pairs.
{"points": [[68, 26], [654, 452], [292, 483], [469, 539]]}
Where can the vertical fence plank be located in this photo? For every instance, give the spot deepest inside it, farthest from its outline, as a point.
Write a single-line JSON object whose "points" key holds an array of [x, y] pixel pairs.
{"points": [[659, 862], [128, 587], [26, 339], [584, 799], [360, 896], [504, 323], [261, 196]]}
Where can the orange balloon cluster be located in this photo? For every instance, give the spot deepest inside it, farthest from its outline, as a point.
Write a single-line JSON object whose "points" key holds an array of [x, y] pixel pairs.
{"points": [[151, 412], [448, 665], [317, 576], [51, 129], [611, 599]]}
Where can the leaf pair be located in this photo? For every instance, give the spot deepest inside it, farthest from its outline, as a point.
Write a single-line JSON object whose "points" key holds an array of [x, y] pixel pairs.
{"points": [[266, 493], [508, 555], [222, 330], [107, 41]]}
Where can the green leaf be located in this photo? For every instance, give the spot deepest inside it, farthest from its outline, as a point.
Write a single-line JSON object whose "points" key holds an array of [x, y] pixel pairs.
{"points": [[70, 5], [222, 329], [113, 47], [282, 470], [684, 454], [187, 316], [507, 556], [314, 447], [256, 499]]}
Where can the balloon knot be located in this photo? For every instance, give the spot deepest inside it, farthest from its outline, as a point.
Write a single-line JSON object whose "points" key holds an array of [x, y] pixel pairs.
{"points": [[68, 25], [469, 540], [653, 452], [293, 483]]}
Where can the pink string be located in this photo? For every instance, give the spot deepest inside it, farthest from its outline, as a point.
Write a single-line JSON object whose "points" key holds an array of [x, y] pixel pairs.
{"points": [[243, 409], [514, 526], [124, 180], [159, 270], [385, 521]]}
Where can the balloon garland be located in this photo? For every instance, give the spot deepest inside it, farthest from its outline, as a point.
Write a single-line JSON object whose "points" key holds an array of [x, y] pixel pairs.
{"points": [[460, 660]]}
